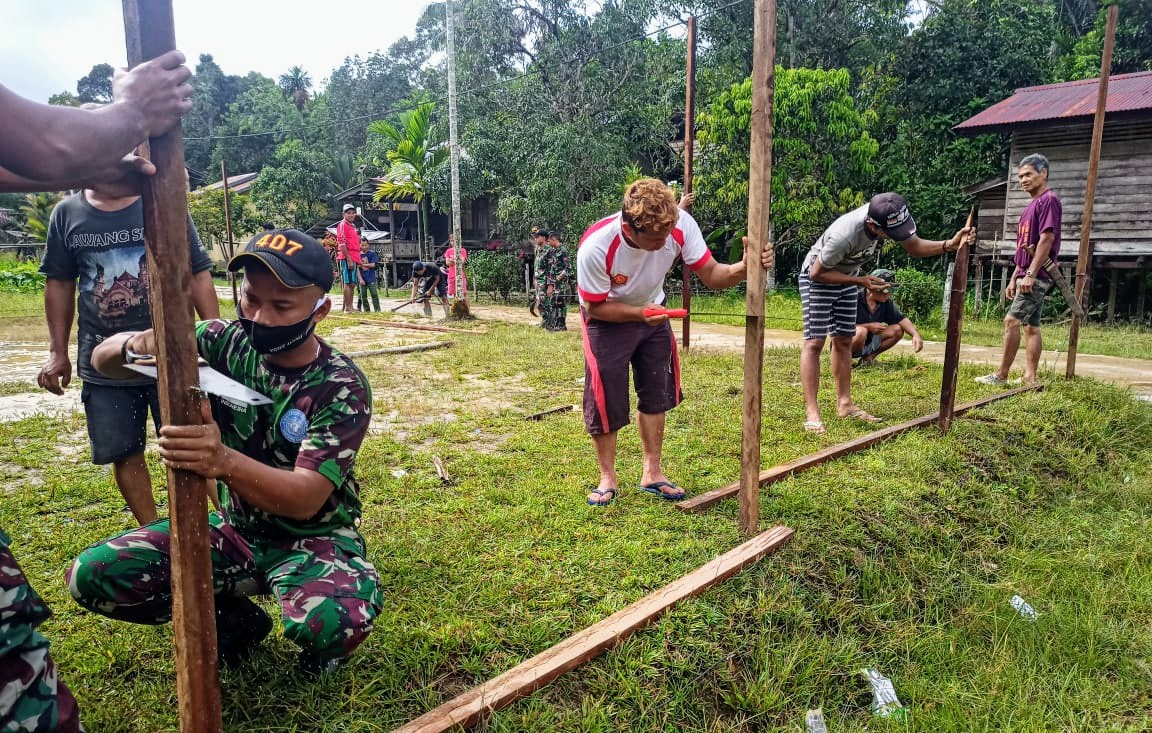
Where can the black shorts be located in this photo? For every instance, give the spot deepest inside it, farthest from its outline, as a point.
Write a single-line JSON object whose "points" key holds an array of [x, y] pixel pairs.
{"points": [[609, 349], [117, 419]]}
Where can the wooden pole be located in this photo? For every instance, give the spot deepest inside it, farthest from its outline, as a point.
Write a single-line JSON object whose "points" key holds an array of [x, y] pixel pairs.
{"points": [[149, 30], [689, 160], [759, 198], [1090, 187], [454, 157], [230, 248], [954, 330], [799, 465], [472, 706]]}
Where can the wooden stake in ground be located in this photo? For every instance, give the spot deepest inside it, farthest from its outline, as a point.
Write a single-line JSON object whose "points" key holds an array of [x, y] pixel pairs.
{"points": [[149, 30], [689, 160], [1090, 187], [812, 460], [957, 289], [759, 199], [527, 677], [230, 246]]}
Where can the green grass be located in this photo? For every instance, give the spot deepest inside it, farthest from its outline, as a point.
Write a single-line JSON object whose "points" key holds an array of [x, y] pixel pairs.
{"points": [[904, 559], [782, 310]]}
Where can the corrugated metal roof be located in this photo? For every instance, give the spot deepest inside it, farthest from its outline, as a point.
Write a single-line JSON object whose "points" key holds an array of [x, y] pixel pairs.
{"points": [[1071, 99]]}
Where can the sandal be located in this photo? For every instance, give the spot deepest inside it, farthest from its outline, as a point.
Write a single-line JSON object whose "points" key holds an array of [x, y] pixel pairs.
{"points": [[862, 416], [656, 488], [814, 426], [602, 492]]}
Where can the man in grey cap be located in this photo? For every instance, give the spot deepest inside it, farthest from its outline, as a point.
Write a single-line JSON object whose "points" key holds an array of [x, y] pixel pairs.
{"points": [[829, 279]]}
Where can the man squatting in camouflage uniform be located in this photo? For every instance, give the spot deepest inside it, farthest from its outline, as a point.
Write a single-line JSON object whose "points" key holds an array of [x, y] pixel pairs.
{"points": [[284, 472], [552, 281], [45, 148]]}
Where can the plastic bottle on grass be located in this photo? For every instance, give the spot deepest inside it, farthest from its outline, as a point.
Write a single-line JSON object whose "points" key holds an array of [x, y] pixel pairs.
{"points": [[814, 722], [1023, 608], [884, 701]]}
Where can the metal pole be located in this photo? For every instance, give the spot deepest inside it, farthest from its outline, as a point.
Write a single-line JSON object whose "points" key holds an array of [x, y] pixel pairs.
{"points": [[1090, 188], [454, 154], [150, 32], [759, 195], [231, 246], [689, 159]]}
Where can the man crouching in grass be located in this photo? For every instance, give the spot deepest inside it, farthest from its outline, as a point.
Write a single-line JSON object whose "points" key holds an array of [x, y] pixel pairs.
{"points": [[290, 504]]}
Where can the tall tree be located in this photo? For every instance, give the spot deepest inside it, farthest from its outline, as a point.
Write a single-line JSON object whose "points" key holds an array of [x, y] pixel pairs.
{"points": [[96, 86], [254, 126], [296, 84], [415, 154], [294, 187], [36, 212]]}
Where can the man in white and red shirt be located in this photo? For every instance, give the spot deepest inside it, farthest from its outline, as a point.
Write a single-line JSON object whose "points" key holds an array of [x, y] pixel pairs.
{"points": [[620, 269], [348, 255]]}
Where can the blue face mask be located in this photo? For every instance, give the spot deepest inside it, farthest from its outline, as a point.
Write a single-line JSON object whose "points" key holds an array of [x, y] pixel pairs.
{"points": [[275, 339]]}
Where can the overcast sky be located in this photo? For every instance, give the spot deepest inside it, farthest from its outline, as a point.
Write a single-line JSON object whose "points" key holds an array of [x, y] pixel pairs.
{"points": [[47, 46]]}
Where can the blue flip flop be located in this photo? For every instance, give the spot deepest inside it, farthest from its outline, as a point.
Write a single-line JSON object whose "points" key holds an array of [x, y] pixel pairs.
{"points": [[602, 492], [654, 488]]}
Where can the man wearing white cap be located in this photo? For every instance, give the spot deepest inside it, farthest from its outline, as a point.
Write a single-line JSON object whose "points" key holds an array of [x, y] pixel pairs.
{"points": [[348, 256]]}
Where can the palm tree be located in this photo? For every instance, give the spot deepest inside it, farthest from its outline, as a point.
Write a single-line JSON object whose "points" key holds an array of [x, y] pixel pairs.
{"points": [[412, 160], [37, 212], [296, 83]]}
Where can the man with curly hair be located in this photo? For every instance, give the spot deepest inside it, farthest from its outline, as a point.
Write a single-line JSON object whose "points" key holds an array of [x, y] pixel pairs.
{"points": [[620, 269]]}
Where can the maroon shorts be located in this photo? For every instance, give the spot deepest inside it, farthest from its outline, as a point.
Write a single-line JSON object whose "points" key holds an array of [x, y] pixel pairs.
{"points": [[609, 348]]}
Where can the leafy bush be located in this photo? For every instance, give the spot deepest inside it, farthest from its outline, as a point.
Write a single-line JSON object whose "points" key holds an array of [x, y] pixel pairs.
{"points": [[20, 277], [919, 294], [496, 272]]}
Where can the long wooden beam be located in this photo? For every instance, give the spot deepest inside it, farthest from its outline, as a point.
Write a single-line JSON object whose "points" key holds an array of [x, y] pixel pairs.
{"points": [[799, 465], [407, 326], [551, 411], [527, 677], [399, 349], [149, 32]]}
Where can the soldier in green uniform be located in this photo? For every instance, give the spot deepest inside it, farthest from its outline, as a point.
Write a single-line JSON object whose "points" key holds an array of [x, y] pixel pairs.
{"points": [[555, 275], [290, 504]]}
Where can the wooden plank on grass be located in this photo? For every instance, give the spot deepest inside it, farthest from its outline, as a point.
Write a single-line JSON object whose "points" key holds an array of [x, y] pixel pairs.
{"points": [[784, 470], [550, 411], [407, 326], [523, 679], [399, 349]]}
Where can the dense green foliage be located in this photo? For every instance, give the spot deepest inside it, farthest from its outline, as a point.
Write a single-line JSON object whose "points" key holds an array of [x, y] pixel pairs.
{"points": [[498, 273], [20, 277], [559, 100]]}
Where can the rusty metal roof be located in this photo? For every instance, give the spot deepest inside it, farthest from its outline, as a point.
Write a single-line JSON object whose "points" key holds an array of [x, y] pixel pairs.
{"points": [[1066, 101]]}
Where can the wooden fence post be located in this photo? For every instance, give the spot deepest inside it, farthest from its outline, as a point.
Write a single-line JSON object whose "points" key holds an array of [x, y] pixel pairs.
{"points": [[689, 160]]}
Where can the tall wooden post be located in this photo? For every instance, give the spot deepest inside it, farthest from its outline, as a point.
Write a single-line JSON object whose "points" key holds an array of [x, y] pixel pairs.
{"points": [[149, 30], [230, 248], [959, 284], [689, 160], [759, 199], [1090, 186]]}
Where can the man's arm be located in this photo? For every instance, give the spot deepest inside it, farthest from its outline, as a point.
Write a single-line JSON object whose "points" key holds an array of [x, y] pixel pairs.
{"points": [[918, 247], [60, 310], [818, 273], [910, 329], [52, 143], [718, 276], [204, 296]]}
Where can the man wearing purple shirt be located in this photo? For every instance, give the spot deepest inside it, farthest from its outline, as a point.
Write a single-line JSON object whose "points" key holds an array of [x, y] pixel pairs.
{"points": [[1037, 239]]}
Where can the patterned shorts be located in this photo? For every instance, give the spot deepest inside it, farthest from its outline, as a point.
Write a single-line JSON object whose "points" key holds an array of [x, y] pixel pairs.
{"points": [[829, 310]]}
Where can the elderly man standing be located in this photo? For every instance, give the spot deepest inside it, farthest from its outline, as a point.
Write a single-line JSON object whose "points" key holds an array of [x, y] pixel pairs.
{"points": [[829, 279], [1037, 241]]}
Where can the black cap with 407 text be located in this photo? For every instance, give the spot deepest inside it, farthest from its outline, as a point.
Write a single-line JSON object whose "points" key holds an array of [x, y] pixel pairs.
{"points": [[296, 259]]}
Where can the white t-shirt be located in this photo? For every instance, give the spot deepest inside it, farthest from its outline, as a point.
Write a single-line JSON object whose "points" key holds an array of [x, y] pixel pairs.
{"points": [[608, 268], [846, 245]]}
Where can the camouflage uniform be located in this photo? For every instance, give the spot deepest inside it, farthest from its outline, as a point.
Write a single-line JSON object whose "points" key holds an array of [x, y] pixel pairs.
{"points": [[328, 592], [554, 270], [32, 698]]}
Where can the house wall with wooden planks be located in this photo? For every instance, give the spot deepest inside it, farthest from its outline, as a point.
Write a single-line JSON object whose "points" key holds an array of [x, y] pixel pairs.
{"points": [[1122, 214]]}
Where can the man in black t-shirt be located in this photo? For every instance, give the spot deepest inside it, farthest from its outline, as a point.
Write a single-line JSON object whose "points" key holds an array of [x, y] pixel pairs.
{"points": [[879, 323], [96, 240], [428, 280]]}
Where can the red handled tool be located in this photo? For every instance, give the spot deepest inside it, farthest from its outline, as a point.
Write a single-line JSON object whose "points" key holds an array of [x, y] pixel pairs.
{"points": [[670, 312]]}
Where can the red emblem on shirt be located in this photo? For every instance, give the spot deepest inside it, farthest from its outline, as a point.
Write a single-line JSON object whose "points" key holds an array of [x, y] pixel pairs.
{"points": [[619, 279]]}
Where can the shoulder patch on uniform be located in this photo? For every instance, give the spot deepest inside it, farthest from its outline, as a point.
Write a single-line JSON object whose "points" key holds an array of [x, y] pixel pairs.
{"points": [[294, 425]]}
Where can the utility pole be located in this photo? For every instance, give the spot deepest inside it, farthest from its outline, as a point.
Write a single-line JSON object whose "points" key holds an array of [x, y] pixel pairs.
{"points": [[454, 155], [230, 247], [689, 160]]}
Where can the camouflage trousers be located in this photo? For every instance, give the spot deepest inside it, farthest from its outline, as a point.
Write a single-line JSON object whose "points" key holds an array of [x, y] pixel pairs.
{"points": [[329, 594], [553, 310], [32, 698]]}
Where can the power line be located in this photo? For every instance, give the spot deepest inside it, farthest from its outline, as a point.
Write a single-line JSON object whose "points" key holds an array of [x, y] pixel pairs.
{"points": [[500, 82]]}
